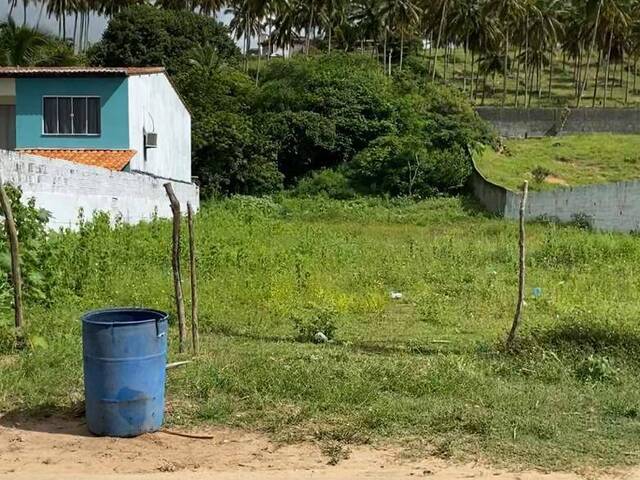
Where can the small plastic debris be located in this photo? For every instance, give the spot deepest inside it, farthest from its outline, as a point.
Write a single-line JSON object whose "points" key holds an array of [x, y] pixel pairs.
{"points": [[396, 296], [320, 338], [537, 292]]}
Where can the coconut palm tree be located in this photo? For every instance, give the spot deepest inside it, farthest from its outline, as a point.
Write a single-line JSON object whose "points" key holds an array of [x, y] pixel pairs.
{"points": [[246, 22], [333, 13], [59, 9], [406, 16], [367, 20], [508, 13], [20, 45], [286, 24], [205, 59], [466, 21]]}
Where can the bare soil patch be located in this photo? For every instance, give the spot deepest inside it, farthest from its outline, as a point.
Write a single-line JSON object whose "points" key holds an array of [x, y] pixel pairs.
{"points": [[56, 447]]}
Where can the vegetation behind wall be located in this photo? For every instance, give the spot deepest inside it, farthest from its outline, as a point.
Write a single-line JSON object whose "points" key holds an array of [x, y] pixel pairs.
{"points": [[259, 134]]}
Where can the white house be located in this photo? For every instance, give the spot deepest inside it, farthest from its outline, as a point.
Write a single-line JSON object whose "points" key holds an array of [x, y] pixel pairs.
{"points": [[129, 121]]}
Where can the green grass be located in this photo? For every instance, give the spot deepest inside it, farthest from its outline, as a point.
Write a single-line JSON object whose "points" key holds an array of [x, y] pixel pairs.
{"points": [[427, 371], [565, 161]]}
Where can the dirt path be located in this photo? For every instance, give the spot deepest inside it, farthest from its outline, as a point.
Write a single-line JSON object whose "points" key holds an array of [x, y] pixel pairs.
{"points": [[60, 448]]}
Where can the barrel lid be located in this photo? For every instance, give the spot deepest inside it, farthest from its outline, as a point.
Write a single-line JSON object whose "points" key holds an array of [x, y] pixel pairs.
{"points": [[123, 316]]}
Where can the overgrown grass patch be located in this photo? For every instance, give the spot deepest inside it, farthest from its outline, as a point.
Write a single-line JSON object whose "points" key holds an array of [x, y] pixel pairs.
{"points": [[427, 366], [556, 162]]}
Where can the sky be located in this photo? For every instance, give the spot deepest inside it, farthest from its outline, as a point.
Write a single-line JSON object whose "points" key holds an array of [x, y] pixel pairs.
{"points": [[96, 25]]}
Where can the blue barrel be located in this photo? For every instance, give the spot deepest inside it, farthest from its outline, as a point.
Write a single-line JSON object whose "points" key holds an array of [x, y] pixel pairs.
{"points": [[125, 359]]}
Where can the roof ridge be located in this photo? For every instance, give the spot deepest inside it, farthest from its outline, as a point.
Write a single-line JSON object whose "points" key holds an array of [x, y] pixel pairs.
{"points": [[80, 70]]}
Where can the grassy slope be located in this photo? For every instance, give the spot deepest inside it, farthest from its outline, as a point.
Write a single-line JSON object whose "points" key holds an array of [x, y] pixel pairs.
{"points": [[574, 160], [389, 374]]}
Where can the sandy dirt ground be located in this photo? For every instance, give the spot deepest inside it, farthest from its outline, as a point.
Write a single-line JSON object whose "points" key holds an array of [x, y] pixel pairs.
{"points": [[58, 448]]}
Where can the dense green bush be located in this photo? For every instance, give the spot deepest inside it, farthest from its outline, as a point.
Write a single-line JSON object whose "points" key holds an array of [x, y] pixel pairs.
{"points": [[229, 154], [146, 36], [330, 183], [305, 141], [38, 278], [406, 166], [396, 137], [391, 136], [235, 158], [341, 102]]}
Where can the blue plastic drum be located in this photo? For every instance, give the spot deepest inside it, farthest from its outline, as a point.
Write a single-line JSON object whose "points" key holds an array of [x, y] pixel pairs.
{"points": [[125, 358]]}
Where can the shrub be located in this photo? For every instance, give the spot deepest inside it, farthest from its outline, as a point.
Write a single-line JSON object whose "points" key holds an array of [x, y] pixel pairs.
{"points": [[305, 141], [540, 174], [38, 275], [311, 321], [405, 166], [326, 108], [596, 369], [231, 157], [329, 183]]}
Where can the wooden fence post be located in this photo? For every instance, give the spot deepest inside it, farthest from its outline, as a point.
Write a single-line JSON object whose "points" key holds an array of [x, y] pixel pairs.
{"points": [[175, 262], [521, 279], [16, 275], [195, 337]]}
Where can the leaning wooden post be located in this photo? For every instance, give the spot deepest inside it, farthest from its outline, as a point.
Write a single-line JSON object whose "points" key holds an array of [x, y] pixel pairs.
{"points": [[16, 275], [518, 316], [175, 261], [195, 337]]}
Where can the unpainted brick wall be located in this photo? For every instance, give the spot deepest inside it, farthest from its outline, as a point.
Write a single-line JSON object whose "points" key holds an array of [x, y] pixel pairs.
{"points": [[65, 188], [540, 122], [609, 207]]}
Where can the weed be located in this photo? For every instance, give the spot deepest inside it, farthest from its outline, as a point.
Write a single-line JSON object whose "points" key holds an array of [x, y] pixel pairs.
{"points": [[540, 174], [335, 452], [596, 368], [314, 323]]}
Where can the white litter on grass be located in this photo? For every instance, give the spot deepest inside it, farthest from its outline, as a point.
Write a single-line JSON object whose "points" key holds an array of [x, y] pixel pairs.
{"points": [[320, 338], [396, 296]]}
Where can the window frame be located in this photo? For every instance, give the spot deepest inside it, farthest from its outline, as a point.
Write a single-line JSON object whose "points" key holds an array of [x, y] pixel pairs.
{"points": [[87, 97]]}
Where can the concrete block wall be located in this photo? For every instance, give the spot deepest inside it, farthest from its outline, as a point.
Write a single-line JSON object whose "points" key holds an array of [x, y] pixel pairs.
{"points": [[540, 122], [64, 188], [608, 207]]}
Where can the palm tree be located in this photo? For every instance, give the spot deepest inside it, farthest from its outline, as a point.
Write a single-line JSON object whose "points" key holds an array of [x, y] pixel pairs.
{"points": [[285, 25], [59, 9], [439, 7], [333, 13], [205, 59], [20, 45], [549, 30], [208, 7], [466, 21], [12, 4], [246, 22], [407, 15], [614, 24], [365, 16], [508, 13], [591, 7]]}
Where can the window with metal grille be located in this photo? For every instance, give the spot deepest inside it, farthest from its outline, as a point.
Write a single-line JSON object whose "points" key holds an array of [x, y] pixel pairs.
{"points": [[71, 115]]}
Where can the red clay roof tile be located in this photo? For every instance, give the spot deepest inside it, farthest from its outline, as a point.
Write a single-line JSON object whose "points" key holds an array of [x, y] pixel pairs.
{"points": [[115, 160]]}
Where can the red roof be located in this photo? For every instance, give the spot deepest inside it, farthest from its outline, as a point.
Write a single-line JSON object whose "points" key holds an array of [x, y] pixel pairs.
{"points": [[115, 160], [12, 72]]}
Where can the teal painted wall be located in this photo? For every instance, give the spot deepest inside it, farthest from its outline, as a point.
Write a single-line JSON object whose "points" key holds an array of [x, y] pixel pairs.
{"points": [[113, 93]]}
